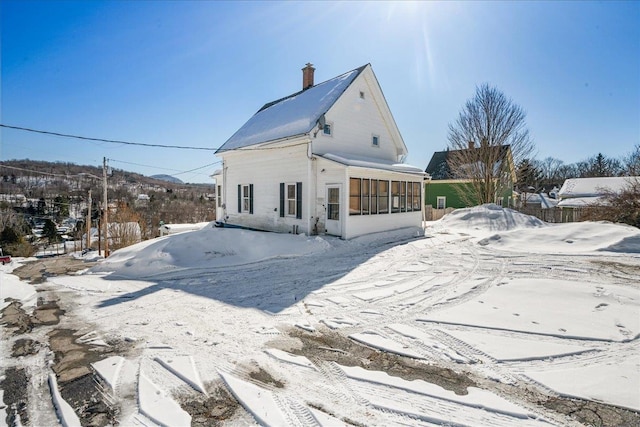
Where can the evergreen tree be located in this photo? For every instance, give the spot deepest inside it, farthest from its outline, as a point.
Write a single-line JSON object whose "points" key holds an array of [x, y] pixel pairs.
{"points": [[50, 231]]}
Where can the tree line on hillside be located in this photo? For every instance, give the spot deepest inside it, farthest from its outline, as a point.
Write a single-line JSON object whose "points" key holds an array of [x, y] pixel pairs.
{"points": [[46, 193]]}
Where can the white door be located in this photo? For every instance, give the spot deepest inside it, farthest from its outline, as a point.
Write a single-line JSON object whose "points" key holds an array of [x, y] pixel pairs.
{"points": [[334, 213]]}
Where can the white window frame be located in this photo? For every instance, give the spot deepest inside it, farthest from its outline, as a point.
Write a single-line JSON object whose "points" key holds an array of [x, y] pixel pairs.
{"points": [[375, 137], [246, 198], [219, 195], [288, 199], [331, 130], [444, 202], [500, 201]]}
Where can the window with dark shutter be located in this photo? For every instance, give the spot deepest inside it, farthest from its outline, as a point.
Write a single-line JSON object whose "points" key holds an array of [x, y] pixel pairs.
{"points": [[299, 200], [282, 199], [250, 198], [239, 198]]}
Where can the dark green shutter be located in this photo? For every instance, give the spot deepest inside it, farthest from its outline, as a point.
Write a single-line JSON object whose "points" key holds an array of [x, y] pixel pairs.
{"points": [[282, 199], [239, 198], [250, 198], [298, 200]]}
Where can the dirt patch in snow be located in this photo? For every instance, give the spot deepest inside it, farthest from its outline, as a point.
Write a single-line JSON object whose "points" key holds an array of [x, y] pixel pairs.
{"points": [[46, 313], [38, 271], [265, 378], [13, 316], [613, 267], [24, 347], [593, 413], [15, 386], [88, 402], [72, 359], [209, 411], [331, 346]]}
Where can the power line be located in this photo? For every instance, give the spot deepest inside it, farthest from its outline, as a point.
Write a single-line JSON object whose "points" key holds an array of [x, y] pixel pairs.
{"points": [[201, 167], [113, 141], [142, 144], [167, 169], [146, 166]]}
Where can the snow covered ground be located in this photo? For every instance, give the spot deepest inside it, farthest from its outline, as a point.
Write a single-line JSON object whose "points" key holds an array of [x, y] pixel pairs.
{"points": [[495, 295]]}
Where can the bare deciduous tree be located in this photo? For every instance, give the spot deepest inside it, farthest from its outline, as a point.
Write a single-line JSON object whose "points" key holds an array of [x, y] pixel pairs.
{"points": [[486, 140], [124, 227], [632, 162], [620, 207], [598, 166]]}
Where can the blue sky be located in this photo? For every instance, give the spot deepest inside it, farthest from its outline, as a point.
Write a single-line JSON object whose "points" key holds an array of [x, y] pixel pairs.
{"points": [[191, 73]]}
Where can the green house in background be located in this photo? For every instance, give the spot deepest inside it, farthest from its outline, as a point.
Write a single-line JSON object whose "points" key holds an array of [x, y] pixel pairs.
{"points": [[441, 191]]}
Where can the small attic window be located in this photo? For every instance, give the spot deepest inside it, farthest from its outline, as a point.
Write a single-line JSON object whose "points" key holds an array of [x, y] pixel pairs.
{"points": [[375, 141], [361, 95], [326, 130]]}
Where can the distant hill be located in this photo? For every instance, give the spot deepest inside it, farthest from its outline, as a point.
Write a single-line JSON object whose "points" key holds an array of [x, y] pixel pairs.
{"points": [[60, 189], [167, 178]]}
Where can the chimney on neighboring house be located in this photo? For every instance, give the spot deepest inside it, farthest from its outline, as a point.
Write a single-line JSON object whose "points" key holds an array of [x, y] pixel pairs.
{"points": [[307, 76], [472, 145]]}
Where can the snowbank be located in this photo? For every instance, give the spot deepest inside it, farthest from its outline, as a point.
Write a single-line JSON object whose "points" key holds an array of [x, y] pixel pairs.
{"points": [[487, 218], [12, 288], [507, 229], [206, 248], [574, 237]]}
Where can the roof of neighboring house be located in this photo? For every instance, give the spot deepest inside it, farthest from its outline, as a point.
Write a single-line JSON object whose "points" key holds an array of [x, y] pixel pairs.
{"points": [[545, 201], [438, 166], [579, 202], [593, 187], [293, 115]]}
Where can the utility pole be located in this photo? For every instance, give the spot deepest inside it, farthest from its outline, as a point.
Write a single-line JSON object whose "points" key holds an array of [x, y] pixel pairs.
{"points": [[89, 221], [106, 207]]}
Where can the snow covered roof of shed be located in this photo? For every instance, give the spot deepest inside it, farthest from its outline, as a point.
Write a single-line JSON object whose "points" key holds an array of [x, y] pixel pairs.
{"points": [[593, 187], [291, 116]]}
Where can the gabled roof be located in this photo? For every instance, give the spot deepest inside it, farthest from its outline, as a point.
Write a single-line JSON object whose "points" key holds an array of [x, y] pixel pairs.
{"points": [[438, 166], [294, 115]]}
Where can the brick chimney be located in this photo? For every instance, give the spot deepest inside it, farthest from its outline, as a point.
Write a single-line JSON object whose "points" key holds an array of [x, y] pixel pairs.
{"points": [[307, 76], [472, 145]]}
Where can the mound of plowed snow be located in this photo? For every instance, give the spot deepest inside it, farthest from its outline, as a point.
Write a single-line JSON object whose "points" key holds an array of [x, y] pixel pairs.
{"points": [[489, 218], [206, 248]]}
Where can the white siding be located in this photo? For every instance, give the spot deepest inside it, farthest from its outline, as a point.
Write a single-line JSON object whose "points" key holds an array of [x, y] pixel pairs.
{"points": [[357, 225], [326, 173], [355, 120], [266, 169]]}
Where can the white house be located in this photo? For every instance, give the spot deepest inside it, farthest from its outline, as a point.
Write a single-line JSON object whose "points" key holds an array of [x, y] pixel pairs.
{"points": [[327, 159]]}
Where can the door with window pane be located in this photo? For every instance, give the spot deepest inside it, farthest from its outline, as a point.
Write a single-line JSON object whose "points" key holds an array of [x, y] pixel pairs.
{"points": [[334, 215]]}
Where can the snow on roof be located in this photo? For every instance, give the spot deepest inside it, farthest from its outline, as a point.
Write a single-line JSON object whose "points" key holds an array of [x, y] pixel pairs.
{"points": [[179, 228], [545, 201], [291, 116], [592, 187], [369, 162]]}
